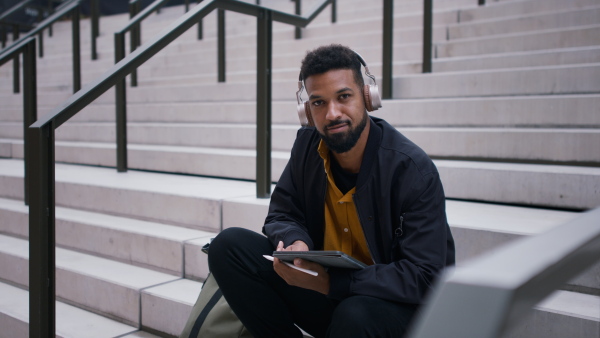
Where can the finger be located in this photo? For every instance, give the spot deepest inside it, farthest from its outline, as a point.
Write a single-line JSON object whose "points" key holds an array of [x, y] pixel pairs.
{"points": [[280, 246]]}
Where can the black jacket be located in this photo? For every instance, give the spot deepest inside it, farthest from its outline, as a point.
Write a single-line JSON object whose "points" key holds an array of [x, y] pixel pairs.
{"points": [[400, 203]]}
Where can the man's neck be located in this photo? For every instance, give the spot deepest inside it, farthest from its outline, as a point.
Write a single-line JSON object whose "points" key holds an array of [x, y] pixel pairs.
{"points": [[351, 160]]}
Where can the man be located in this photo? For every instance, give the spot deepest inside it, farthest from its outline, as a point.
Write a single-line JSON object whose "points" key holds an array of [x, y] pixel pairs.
{"points": [[354, 184]]}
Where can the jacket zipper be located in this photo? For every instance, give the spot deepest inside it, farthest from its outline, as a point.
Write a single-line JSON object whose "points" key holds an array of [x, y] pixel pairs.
{"points": [[398, 232], [360, 219]]}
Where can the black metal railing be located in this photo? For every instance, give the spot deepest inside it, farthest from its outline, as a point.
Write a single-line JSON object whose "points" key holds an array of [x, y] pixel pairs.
{"points": [[14, 9], [16, 29], [427, 36], [298, 11], [30, 74], [42, 147], [26, 47], [72, 8], [135, 28], [95, 23], [489, 295]]}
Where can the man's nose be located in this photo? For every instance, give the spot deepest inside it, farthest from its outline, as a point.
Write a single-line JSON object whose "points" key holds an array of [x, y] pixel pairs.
{"points": [[333, 112]]}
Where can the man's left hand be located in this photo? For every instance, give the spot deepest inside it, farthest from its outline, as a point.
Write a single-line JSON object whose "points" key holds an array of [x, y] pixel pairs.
{"points": [[319, 283]]}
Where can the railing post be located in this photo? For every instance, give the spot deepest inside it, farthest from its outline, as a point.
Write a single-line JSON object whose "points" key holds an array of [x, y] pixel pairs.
{"points": [[41, 43], [16, 64], [76, 50], [200, 33], [94, 11], [50, 9], [427, 34], [42, 281], [258, 2], [134, 37], [298, 11], [221, 44], [333, 11], [187, 6], [3, 35], [41, 33], [263, 103], [388, 49], [121, 108], [481, 2], [29, 105]]}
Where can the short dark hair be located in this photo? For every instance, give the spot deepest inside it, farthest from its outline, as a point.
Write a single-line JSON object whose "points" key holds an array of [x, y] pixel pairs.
{"points": [[334, 56]]}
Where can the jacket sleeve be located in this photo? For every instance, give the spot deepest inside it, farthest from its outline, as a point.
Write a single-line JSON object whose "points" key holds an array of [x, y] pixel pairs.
{"points": [[286, 218], [418, 255]]}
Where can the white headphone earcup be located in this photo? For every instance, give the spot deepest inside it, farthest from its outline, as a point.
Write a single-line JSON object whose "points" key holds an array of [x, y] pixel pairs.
{"points": [[302, 115], [375, 97]]}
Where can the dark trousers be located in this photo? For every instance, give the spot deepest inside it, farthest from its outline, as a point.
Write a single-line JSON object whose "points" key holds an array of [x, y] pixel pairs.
{"points": [[269, 307]]}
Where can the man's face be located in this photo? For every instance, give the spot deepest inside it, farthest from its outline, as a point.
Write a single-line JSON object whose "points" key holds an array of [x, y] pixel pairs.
{"points": [[337, 108]]}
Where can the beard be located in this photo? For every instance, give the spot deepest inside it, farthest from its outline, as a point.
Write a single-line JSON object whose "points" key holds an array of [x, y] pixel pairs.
{"points": [[343, 142]]}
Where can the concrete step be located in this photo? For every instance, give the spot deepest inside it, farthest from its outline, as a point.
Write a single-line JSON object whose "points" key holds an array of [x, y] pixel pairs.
{"points": [[70, 321], [219, 162], [496, 9], [514, 183], [123, 239], [553, 57], [479, 228], [176, 69], [166, 307], [583, 16], [582, 36], [192, 202], [556, 145], [568, 79], [576, 79], [562, 314], [521, 184], [555, 111], [102, 286]]}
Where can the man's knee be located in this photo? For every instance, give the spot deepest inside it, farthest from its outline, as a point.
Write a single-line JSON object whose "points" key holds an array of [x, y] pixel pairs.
{"points": [[234, 244], [221, 246]]}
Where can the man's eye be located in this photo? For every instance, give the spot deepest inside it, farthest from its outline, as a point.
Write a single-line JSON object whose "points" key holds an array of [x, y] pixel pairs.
{"points": [[344, 96], [317, 103]]}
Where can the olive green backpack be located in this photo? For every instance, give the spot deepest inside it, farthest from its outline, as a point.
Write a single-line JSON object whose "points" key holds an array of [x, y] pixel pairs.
{"points": [[211, 316]]}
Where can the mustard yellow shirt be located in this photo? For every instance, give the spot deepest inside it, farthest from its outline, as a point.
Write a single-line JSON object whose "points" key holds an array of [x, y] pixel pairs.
{"points": [[343, 231]]}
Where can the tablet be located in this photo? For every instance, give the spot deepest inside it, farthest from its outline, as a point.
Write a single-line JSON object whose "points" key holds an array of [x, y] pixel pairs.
{"points": [[330, 259]]}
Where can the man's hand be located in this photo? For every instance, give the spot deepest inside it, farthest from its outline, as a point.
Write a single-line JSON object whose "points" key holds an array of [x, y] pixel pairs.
{"points": [[294, 277]]}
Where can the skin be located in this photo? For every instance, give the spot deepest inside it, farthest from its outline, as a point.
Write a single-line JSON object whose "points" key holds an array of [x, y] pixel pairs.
{"points": [[337, 105]]}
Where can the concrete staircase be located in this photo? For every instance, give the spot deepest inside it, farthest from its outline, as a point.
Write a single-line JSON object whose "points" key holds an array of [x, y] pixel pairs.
{"points": [[510, 116]]}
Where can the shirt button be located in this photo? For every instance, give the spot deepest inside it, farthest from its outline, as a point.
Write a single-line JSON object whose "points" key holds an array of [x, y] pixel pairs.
{"points": [[345, 229], [341, 202]]}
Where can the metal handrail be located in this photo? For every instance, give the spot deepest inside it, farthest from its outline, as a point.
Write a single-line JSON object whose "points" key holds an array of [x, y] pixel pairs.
{"points": [[27, 48], [42, 283], [489, 295], [14, 9], [64, 9], [16, 65]]}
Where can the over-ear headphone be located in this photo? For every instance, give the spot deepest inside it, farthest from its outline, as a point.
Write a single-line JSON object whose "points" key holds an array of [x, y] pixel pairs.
{"points": [[370, 93]]}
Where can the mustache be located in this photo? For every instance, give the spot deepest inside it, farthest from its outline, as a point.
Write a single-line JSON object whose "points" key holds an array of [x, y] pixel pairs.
{"points": [[338, 122]]}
